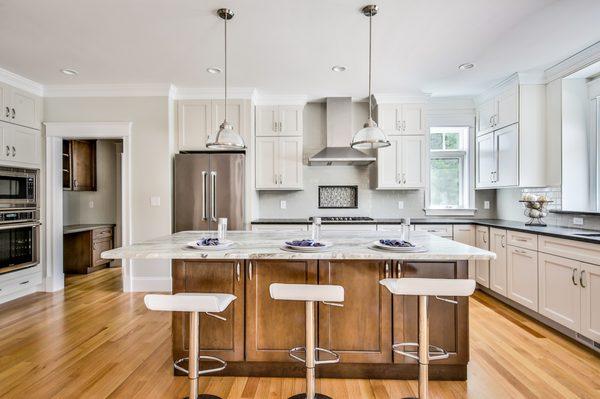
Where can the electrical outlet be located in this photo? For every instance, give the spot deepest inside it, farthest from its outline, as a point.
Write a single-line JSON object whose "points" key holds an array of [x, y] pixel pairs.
{"points": [[400, 204], [154, 201], [91, 204], [283, 204], [578, 221], [486, 204]]}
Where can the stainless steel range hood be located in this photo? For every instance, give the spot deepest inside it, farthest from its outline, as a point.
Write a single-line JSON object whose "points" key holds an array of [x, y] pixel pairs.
{"points": [[339, 136]]}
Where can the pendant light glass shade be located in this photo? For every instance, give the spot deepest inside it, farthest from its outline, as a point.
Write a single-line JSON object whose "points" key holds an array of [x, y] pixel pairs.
{"points": [[226, 138], [370, 136]]}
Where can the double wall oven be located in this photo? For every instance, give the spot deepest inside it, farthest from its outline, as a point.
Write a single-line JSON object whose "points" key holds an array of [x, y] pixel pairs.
{"points": [[19, 219]]}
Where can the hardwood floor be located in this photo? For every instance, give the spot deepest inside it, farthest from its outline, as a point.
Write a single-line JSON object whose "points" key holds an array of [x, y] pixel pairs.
{"points": [[93, 341]]}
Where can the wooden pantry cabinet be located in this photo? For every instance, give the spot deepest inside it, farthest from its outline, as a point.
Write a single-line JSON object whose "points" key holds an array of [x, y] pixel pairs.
{"points": [[79, 165]]}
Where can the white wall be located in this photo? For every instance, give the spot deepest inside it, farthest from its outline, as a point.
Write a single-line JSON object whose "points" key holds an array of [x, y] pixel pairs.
{"points": [[76, 208], [151, 167]]}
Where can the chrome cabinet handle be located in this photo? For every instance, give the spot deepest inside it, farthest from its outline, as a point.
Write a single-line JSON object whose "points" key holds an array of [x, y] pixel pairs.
{"points": [[14, 151], [213, 189], [7, 112], [204, 192], [274, 126], [573, 277], [250, 270], [7, 151], [75, 184], [14, 113], [502, 241], [24, 282], [485, 238], [398, 179], [237, 271], [280, 126], [491, 121], [404, 125], [403, 178], [581, 279], [491, 177], [398, 125], [399, 269], [387, 270]]}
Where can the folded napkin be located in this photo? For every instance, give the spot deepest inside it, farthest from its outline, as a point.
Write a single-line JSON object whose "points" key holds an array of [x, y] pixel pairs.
{"points": [[304, 243], [396, 243], [205, 242]]}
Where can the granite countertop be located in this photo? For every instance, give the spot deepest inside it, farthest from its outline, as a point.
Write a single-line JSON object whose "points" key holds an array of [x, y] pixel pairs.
{"points": [[267, 245], [78, 228], [554, 231]]}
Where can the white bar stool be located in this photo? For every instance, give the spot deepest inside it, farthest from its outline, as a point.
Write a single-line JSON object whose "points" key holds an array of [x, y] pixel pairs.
{"points": [[424, 288], [194, 304], [310, 293]]}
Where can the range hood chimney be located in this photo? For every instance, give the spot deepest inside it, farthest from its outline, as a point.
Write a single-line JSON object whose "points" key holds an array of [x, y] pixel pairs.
{"points": [[339, 136]]}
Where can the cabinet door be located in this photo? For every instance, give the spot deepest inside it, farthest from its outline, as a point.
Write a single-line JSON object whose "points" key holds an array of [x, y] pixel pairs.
{"points": [[25, 108], [447, 322], [523, 276], [99, 246], [507, 155], [560, 296], [507, 107], [482, 267], [290, 162], [486, 160], [234, 115], [24, 144], [194, 123], [485, 116], [267, 152], [413, 119], [388, 164], [266, 120], [590, 301], [361, 330], [498, 272], [220, 338], [412, 158], [389, 118], [274, 327], [290, 120], [466, 235], [83, 165], [4, 107]]}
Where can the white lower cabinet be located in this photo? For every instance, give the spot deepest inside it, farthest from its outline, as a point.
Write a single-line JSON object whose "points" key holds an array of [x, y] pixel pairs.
{"points": [[465, 234], [590, 301], [522, 275], [498, 267], [482, 267]]}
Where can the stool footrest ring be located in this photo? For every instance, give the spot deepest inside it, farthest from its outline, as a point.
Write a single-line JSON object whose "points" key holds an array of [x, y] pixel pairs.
{"points": [[202, 372], [336, 357], [435, 352]]}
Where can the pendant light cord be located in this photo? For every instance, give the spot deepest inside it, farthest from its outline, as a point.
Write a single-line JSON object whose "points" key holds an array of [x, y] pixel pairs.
{"points": [[370, 41], [225, 111]]}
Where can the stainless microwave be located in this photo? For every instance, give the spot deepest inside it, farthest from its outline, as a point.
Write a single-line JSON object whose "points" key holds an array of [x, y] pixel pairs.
{"points": [[18, 188]]}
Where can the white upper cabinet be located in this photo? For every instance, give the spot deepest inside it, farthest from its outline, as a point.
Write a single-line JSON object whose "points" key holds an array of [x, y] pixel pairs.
{"points": [[21, 146], [486, 160], [267, 151], [234, 114], [402, 164], [290, 162], [515, 113], [413, 119], [20, 107], [279, 163], [279, 120], [498, 267], [402, 118]]}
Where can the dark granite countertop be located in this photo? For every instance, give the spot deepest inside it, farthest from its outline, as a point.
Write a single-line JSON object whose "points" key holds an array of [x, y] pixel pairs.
{"points": [[554, 231]]}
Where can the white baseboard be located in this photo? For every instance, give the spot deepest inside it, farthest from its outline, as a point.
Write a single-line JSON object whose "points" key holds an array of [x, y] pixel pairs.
{"points": [[151, 284]]}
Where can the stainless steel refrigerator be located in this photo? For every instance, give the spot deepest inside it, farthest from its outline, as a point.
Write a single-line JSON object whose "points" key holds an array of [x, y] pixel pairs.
{"points": [[209, 186]]}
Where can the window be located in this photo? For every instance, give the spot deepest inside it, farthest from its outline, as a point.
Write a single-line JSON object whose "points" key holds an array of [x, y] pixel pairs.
{"points": [[449, 168]]}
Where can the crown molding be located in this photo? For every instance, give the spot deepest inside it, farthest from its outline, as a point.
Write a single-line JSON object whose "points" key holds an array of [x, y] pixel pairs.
{"points": [[574, 63], [211, 93], [21, 82], [390, 98], [109, 90]]}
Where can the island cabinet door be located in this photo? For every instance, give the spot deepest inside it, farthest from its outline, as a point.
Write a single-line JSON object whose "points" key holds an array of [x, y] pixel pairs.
{"points": [[223, 339], [360, 332], [448, 323], [274, 327]]}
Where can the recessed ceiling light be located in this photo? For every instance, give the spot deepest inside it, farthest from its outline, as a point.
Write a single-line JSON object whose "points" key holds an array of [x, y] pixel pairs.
{"points": [[213, 70], [464, 67], [338, 68], [70, 72]]}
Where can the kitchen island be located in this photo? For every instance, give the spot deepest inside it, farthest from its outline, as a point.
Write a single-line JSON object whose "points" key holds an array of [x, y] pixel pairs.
{"points": [[259, 331]]}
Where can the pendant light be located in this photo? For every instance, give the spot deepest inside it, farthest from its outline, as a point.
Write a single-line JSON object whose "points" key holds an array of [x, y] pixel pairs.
{"points": [[370, 136], [226, 138]]}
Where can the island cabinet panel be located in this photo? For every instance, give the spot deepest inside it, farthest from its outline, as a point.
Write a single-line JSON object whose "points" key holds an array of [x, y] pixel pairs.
{"points": [[360, 332], [448, 323], [223, 339], [274, 327]]}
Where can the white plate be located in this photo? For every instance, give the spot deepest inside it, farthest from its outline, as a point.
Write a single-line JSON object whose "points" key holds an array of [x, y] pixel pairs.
{"points": [[380, 246], [223, 244], [325, 247]]}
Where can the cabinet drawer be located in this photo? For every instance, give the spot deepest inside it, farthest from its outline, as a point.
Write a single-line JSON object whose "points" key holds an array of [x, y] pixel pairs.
{"points": [[101, 233], [23, 282], [442, 230], [97, 248], [582, 251], [522, 240]]}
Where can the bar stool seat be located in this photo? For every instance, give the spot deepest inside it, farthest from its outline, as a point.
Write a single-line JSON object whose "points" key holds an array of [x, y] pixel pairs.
{"points": [[194, 304], [310, 293], [424, 288]]}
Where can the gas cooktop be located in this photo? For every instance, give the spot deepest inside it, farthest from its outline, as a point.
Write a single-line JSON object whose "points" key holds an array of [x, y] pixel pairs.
{"points": [[344, 219]]}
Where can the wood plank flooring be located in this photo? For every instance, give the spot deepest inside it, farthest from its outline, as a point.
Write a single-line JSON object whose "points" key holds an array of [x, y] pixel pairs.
{"points": [[93, 341]]}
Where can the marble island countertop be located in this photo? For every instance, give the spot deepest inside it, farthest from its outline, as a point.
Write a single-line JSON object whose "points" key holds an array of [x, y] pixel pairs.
{"points": [[267, 245]]}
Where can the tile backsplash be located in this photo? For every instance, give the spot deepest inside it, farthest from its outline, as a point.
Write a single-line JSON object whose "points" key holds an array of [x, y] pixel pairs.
{"points": [[336, 197]]}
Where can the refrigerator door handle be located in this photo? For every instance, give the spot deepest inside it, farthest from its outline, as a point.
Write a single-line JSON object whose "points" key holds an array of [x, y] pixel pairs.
{"points": [[213, 194], [204, 192]]}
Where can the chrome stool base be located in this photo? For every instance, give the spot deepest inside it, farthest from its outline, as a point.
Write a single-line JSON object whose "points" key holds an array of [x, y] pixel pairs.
{"points": [[205, 396], [303, 396]]}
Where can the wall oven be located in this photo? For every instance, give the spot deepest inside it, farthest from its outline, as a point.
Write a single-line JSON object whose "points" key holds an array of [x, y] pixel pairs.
{"points": [[19, 239], [18, 188]]}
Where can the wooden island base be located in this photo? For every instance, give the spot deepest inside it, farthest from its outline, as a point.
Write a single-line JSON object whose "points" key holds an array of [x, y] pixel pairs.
{"points": [[259, 331]]}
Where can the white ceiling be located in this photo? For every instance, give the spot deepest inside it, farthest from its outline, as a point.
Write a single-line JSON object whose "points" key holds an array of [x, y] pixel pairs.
{"points": [[289, 46]]}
